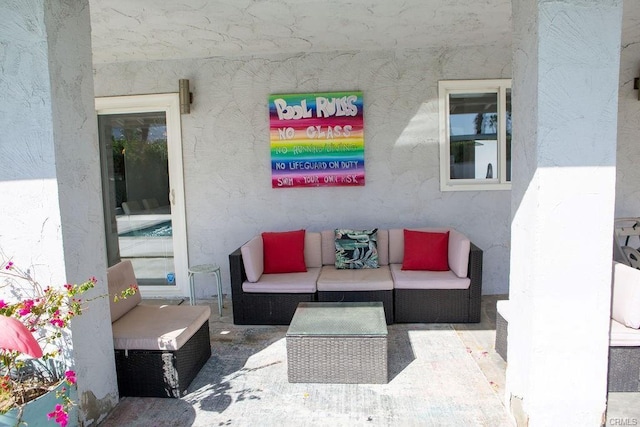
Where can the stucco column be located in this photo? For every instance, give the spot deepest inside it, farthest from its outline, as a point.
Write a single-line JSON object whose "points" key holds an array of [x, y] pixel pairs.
{"points": [[51, 214], [565, 99]]}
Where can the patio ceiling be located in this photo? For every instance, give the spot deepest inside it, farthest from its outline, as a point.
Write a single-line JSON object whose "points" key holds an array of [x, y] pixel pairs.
{"points": [[147, 30]]}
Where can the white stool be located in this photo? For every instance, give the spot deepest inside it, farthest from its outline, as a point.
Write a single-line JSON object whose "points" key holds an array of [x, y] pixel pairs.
{"points": [[205, 269]]}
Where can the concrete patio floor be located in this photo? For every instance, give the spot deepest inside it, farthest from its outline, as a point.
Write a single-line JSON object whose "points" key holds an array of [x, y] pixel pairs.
{"points": [[439, 374]]}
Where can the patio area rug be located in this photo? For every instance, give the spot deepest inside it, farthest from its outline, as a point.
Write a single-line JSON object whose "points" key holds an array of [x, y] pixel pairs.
{"points": [[433, 381]]}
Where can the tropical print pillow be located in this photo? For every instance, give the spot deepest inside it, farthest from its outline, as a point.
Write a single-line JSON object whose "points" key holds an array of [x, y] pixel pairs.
{"points": [[356, 249]]}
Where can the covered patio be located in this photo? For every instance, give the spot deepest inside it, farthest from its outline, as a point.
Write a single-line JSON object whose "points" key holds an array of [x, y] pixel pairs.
{"points": [[546, 230], [439, 374]]}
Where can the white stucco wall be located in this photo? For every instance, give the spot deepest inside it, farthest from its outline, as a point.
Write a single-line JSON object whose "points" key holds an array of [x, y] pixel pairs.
{"points": [[226, 145], [227, 157], [52, 221], [628, 167], [565, 73]]}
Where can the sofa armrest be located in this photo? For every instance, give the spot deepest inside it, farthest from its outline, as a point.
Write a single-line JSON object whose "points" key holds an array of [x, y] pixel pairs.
{"points": [[475, 288], [238, 276]]}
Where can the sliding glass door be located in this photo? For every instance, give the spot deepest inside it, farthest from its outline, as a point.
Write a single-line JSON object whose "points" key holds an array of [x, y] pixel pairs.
{"points": [[141, 154]]}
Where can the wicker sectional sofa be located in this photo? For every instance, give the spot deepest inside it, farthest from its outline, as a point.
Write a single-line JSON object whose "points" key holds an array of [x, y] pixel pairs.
{"points": [[451, 296]]}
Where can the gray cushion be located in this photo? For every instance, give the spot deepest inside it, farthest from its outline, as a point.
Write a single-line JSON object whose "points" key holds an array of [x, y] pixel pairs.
{"points": [[422, 279], [158, 327], [368, 279], [292, 283]]}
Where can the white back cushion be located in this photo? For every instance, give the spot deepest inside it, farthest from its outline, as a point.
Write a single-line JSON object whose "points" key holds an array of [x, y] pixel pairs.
{"points": [[459, 249], [312, 249], [119, 278], [328, 247], [625, 303], [253, 258]]}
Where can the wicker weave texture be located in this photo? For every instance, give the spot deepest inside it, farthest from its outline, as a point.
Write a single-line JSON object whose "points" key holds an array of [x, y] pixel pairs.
{"points": [[501, 336], [339, 360], [443, 305], [271, 309], [624, 369], [385, 297], [260, 308], [431, 305], [238, 275], [149, 373]]}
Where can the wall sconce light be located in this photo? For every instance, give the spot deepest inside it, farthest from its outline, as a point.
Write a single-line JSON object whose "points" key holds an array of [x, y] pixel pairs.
{"points": [[186, 97], [636, 86]]}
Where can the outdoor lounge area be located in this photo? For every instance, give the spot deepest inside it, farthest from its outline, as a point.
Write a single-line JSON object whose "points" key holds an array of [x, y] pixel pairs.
{"points": [[439, 375], [172, 134]]}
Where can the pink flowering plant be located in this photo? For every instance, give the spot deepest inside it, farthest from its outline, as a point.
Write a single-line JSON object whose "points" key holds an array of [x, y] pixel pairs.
{"points": [[34, 322]]}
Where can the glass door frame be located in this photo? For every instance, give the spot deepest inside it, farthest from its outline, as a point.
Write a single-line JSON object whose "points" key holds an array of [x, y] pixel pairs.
{"points": [[169, 103]]}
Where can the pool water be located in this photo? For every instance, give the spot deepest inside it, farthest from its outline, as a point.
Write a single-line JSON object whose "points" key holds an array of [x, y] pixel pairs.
{"points": [[162, 229]]}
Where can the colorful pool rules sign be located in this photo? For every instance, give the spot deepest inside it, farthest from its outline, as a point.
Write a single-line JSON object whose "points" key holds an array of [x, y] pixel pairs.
{"points": [[317, 139]]}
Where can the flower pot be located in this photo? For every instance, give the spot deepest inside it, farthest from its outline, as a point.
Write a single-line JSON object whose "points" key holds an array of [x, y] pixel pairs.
{"points": [[35, 412]]}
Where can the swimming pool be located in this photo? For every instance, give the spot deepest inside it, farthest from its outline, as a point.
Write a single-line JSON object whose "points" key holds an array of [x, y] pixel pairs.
{"points": [[162, 229]]}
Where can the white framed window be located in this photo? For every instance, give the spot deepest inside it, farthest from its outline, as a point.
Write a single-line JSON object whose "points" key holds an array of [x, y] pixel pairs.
{"points": [[475, 134]]}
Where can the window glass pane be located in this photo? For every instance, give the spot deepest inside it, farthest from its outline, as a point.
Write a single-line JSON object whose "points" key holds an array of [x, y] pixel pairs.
{"points": [[473, 135], [508, 123], [139, 186]]}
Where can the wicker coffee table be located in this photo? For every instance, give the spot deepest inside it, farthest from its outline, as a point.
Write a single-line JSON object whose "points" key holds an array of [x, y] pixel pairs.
{"points": [[338, 342]]}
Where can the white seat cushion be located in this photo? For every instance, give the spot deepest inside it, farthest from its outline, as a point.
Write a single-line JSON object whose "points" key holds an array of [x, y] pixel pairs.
{"points": [[621, 336], [502, 307], [366, 279], [158, 327], [290, 283], [412, 279]]}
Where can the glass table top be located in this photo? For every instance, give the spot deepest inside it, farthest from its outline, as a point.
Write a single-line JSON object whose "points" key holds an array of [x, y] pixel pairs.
{"points": [[338, 318]]}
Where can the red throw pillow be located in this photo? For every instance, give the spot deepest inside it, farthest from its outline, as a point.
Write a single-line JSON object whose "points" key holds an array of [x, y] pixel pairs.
{"points": [[424, 250], [284, 252]]}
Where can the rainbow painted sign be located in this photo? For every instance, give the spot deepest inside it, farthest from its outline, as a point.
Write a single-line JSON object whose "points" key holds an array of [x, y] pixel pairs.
{"points": [[317, 139]]}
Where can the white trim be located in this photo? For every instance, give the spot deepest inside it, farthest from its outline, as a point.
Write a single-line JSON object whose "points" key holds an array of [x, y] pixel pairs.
{"points": [[447, 87], [169, 103]]}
